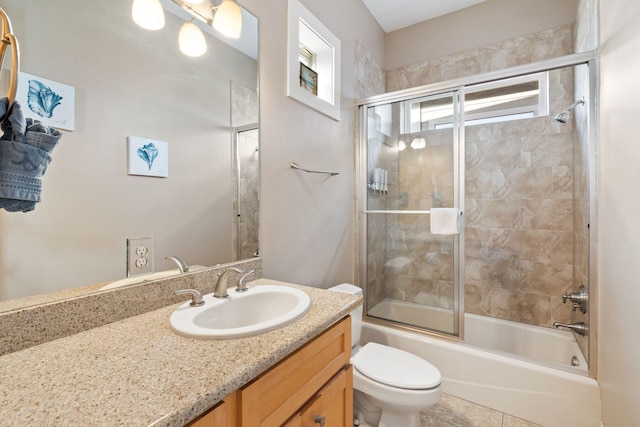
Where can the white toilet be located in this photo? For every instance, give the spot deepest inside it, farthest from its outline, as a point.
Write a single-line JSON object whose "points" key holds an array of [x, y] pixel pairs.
{"points": [[390, 385]]}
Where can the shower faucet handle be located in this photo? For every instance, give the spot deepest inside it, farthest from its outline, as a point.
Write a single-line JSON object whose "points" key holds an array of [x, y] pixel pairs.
{"points": [[579, 299]]}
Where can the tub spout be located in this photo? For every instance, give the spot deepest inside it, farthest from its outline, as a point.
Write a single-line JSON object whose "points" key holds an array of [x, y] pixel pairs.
{"points": [[578, 328]]}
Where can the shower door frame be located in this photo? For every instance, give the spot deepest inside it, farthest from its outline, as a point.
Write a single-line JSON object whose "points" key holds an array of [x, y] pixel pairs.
{"points": [[235, 159], [589, 58]]}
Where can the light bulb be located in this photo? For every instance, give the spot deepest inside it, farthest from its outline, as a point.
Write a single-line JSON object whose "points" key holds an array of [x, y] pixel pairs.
{"points": [[148, 14], [194, 1], [228, 19], [191, 40], [418, 143]]}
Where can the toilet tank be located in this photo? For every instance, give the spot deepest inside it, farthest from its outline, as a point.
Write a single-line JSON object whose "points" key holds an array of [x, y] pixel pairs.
{"points": [[356, 314]]}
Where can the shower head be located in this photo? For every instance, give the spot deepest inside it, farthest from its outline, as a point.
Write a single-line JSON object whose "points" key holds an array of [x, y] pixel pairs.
{"points": [[564, 116]]}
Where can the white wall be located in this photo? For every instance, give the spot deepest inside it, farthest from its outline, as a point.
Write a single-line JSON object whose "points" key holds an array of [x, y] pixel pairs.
{"points": [[619, 207], [306, 226], [485, 23]]}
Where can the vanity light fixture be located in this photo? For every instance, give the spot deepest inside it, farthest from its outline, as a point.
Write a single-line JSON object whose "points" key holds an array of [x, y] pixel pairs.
{"points": [[228, 19], [191, 40], [148, 14], [225, 18]]}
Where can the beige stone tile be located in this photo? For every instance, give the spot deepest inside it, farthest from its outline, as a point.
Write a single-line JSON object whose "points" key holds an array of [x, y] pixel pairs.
{"points": [[477, 299], [548, 279], [546, 214], [562, 182], [492, 213], [532, 245], [511, 421], [522, 183], [477, 242], [478, 183], [501, 273], [493, 154], [549, 150], [462, 413], [521, 307]]}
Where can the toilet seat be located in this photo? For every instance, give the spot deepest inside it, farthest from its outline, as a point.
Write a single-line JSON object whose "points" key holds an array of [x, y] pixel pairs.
{"points": [[396, 368]]}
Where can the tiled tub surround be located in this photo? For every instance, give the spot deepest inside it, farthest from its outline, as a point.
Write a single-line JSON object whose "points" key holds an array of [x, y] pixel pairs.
{"points": [[524, 185], [35, 320], [137, 372]]}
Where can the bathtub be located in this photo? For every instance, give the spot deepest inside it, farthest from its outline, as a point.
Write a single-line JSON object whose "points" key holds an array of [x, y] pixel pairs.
{"points": [[550, 392]]}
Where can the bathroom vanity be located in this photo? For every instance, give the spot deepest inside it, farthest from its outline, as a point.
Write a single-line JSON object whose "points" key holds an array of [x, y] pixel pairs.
{"points": [[313, 386], [138, 372]]}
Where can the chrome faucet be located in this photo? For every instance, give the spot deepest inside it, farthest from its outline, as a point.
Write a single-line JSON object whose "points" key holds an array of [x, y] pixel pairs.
{"points": [[579, 327], [182, 266], [220, 290]]}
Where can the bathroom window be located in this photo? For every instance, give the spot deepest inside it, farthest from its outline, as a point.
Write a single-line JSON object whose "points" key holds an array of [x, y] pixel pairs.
{"points": [[498, 101]]}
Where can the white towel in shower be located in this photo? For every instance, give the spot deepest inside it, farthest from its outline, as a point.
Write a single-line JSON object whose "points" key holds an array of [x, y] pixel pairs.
{"points": [[444, 221]]}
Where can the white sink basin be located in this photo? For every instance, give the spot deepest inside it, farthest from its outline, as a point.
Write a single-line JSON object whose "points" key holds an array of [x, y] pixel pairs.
{"points": [[149, 277], [258, 310]]}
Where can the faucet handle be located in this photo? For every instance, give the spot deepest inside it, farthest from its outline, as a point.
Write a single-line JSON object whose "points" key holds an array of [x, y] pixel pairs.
{"points": [[242, 283], [196, 296]]}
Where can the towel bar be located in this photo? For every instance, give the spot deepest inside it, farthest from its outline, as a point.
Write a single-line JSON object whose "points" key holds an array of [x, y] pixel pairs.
{"points": [[398, 212], [294, 165]]}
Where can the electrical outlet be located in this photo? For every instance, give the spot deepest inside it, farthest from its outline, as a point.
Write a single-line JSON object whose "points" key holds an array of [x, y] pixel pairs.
{"points": [[140, 256]]}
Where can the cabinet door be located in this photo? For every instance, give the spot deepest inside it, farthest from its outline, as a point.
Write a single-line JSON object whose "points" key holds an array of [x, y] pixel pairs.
{"points": [[222, 415], [333, 405], [272, 398]]}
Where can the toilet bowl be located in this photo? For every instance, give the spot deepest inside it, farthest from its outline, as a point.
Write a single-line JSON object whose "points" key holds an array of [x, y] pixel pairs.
{"points": [[391, 386]]}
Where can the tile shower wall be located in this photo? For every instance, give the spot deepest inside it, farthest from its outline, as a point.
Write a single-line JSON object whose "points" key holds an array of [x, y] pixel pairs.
{"points": [[520, 236], [248, 192], [245, 173], [371, 80]]}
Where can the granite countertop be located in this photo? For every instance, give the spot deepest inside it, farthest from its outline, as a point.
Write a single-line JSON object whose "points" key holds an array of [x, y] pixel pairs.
{"points": [[137, 372]]}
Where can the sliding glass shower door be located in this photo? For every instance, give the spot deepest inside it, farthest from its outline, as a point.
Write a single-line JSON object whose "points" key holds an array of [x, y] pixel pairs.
{"points": [[413, 152]]}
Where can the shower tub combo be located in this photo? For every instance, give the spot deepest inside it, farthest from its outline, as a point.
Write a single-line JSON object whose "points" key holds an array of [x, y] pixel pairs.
{"points": [[522, 183], [523, 370], [545, 395]]}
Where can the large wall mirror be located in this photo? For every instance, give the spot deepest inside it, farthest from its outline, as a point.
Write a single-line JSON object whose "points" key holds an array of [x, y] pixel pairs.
{"points": [[134, 82]]}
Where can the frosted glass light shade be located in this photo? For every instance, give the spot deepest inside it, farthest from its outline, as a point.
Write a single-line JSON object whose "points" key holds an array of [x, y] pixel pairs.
{"points": [[148, 14], [191, 40], [418, 143], [194, 1], [228, 19]]}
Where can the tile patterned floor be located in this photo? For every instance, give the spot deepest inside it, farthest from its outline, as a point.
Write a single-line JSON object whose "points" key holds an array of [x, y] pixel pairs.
{"points": [[454, 412]]}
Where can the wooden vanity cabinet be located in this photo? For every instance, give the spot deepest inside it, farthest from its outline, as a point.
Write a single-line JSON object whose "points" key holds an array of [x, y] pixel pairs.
{"points": [[316, 380], [224, 414], [331, 406]]}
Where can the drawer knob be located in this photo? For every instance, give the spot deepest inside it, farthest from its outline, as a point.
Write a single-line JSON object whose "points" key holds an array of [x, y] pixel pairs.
{"points": [[319, 419]]}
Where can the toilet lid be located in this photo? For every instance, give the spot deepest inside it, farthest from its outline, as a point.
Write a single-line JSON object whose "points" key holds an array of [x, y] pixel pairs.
{"points": [[395, 367]]}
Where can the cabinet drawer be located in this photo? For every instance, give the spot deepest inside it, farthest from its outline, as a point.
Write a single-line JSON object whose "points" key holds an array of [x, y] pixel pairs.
{"points": [[273, 397], [332, 406]]}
